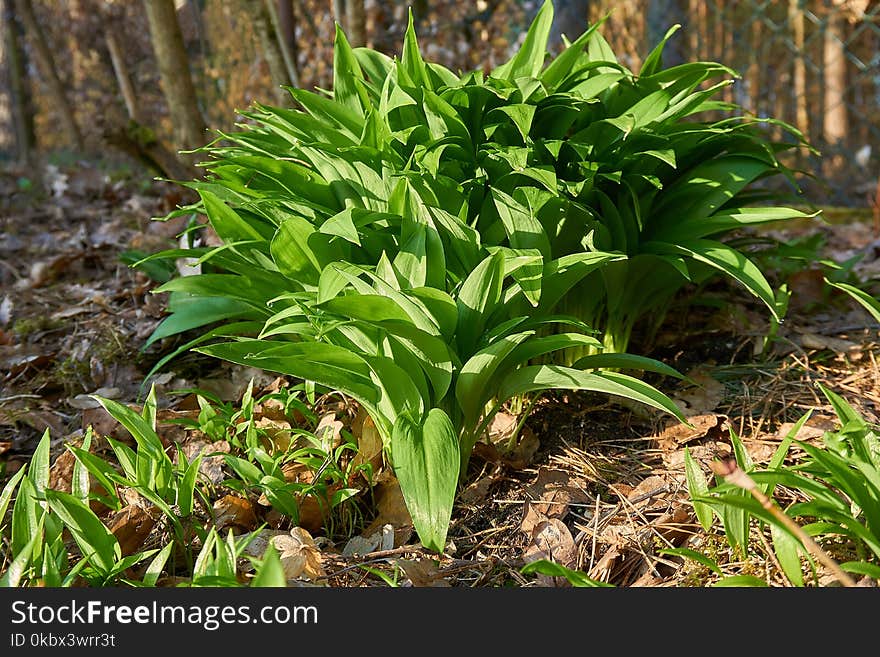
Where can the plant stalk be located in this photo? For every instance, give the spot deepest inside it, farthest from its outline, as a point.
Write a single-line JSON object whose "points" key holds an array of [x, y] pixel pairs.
{"points": [[733, 474]]}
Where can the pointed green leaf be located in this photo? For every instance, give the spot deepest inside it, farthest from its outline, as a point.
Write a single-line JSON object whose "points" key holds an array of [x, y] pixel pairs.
{"points": [[426, 461]]}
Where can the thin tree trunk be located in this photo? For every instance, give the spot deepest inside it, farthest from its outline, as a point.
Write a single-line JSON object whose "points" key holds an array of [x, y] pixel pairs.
{"points": [[799, 88], [356, 19], [756, 67], [174, 71], [20, 97], [272, 54], [123, 79], [835, 124], [287, 29], [289, 61], [339, 13], [46, 62]]}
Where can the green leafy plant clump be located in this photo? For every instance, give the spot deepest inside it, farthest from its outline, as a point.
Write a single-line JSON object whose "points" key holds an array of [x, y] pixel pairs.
{"points": [[434, 244]]}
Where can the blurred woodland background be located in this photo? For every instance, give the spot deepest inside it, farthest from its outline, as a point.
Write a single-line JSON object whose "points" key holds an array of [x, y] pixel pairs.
{"points": [[133, 82]]}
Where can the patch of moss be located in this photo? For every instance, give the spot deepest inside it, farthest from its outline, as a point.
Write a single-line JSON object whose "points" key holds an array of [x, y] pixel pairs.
{"points": [[27, 326]]}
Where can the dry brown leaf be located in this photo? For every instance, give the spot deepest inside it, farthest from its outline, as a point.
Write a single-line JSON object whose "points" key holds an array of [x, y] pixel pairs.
{"points": [[234, 511], [553, 490], [815, 427], [502, 427], [369, 442], [276, 435], [391, 510], [808, 289], [211, 467], [552, 540], [703, 397], [525, 450], [810, 340], [329, 431], [300, 557], [677, 433], [651, 488], [478, 490], [131, 526], [423, 572]]}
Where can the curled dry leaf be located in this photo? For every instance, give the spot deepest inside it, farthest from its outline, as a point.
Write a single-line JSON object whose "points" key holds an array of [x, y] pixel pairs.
{"points": [[234, 511], [677, 433], [211, 467], [551, 540], [300, 557], [423, 572], [361, 545], [131, 526], [703, 397], [810, 340], [391, 509], [369, 442], [329, 431], [276, 435], [552, 492]]}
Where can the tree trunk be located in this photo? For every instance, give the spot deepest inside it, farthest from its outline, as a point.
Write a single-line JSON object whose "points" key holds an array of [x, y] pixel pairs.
{"points": [[287, 30], [339, 13], [835, 127], [123, 79], [799, 88], [356, 20], [20, 97], [835, 122], [272, 54], [570, 18], [281, 44], [177, 84], [46, 63]]}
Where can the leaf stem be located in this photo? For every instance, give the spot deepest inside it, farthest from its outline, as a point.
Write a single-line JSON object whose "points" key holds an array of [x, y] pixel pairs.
{"points": [[735, 475]]}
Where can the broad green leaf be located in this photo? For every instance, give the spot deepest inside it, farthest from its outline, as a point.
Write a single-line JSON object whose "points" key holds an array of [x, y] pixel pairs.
{"points": [[546, 377], [552, 569], [346, 75], [94, 540], [38, 470], [8, 490], [186, 486], [725, 259], [868, 302], [739, 581], [787, 550], [157, 565], [21, 560], [226, 221], [473, 379], [426, 461], [411, 58], [653, 62], [697, 486], [270, 573], [27, 513], [477, 298], [79, 481], [687, 553], [529, 59], [326, 364], [619, 361], [301, 252]]}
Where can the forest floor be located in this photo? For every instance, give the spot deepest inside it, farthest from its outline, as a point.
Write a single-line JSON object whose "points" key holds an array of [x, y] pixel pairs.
{"points": [[588, 482]]}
